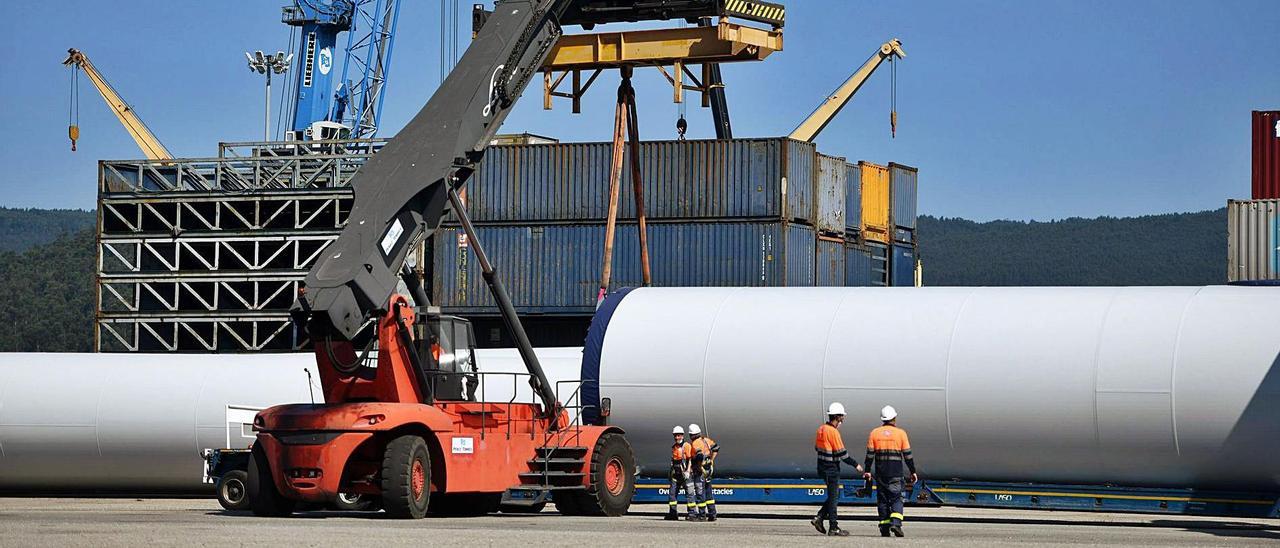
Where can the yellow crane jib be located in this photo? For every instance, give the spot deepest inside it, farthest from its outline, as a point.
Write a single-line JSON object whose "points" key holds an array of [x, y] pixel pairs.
{"points": [[142, 135], [809, 129]]}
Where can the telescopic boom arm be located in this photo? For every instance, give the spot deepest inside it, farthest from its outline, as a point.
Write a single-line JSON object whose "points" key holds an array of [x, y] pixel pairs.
{"points": [[402, 192]]}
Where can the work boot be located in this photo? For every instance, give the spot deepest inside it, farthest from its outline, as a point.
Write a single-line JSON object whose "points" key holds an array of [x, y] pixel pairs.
{"points": [[816, 522], [884, 530], [837, 532], [896, 530], [671, 516]]}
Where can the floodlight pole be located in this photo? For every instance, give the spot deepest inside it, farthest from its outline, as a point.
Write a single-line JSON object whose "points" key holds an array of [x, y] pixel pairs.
{"points": [[266, 125]]}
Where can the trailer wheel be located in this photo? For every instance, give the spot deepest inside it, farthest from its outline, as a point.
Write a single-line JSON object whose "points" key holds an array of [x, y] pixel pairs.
{"points": [[406, 477], [613, 481], [264, 498], [233, 490]]}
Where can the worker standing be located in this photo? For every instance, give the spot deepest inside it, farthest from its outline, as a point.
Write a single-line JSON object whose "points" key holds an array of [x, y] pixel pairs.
{"points": [[681, 475], [707, 450], [888, 450], [831, 451]]}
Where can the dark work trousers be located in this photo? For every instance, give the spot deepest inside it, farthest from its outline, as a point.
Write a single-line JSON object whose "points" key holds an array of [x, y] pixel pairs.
{"points": [[698, 495], [677, 485], [889, 500], [707, 493], [828, 511]]}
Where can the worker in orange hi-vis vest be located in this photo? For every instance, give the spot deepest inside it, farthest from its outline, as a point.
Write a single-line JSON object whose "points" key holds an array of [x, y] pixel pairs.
{"points": [[831, 452], [704, 460], [889, 453], [681, 476]]}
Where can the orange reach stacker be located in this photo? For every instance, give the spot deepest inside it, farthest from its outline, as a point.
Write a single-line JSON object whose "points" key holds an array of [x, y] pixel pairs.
{"points": [[409, 430]]}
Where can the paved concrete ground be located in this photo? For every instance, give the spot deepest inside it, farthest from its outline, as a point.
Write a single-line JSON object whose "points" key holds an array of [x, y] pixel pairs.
{"points": [[168, 522]]}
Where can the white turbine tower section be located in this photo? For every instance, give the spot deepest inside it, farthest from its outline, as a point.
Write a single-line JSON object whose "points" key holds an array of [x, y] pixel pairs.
{"points": [[139, 422], [1147, 386]]}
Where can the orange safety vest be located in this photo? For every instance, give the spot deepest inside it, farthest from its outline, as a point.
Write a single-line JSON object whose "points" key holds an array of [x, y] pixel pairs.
{"points": [[889, 448], [829, 445], [708, 448], [680, 452]]}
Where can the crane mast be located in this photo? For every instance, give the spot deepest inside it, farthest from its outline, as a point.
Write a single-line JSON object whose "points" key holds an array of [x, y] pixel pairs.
{"points": [[142, 135]]}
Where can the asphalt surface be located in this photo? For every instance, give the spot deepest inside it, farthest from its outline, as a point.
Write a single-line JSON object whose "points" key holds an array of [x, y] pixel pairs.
{"points": [[200, 522]]}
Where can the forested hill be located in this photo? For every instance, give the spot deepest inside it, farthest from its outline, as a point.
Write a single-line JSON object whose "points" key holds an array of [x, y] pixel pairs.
{"points": [[1172, 249], [22, 228]]}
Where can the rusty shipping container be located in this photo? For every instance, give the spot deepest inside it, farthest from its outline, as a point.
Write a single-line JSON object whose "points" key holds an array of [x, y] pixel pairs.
{"points": [[903, 190], [1266, 154], [875, 202], [830, 188], [555, 268], [695, 179], [830, 262], [853, 198], [1253, 240], [857, 265]]}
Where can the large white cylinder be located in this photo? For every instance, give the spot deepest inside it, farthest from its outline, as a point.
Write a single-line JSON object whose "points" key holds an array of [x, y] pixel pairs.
{"points": [[1149, 386], [139, 422]]}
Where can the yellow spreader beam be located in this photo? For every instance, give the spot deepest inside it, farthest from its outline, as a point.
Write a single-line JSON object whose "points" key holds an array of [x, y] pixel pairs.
{"points": [[722, 43]]}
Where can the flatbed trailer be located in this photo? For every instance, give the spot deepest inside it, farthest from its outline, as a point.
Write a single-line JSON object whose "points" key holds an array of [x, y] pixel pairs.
{"points": [[988, 495]]}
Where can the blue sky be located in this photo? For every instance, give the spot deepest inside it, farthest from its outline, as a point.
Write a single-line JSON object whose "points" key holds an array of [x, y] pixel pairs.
{"points": [[1011, 109]]}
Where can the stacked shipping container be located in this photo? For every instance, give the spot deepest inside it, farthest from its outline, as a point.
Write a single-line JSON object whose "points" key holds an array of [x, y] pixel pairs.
{"points": [[742, 212], [1253, 240], [1266, 154]]}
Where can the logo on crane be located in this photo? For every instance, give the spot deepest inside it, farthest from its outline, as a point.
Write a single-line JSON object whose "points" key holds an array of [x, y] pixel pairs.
{"points": [[326, 60]]}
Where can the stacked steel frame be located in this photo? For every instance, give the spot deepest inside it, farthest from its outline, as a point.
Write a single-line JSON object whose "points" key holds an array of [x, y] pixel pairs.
{"points": [[207, 254]]}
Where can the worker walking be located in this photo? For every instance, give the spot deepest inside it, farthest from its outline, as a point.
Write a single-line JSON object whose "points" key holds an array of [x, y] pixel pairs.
{"points": [[681, 475], [831, 451], [889, 453], [706, 450]]}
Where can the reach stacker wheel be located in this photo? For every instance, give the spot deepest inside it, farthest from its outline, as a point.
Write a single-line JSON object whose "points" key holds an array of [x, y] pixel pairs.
{"points": [[406, 477], [613, 481], [264, 499]]}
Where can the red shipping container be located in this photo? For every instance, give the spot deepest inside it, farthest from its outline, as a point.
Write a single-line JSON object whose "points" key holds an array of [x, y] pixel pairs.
{"points": [[1266, 154]]}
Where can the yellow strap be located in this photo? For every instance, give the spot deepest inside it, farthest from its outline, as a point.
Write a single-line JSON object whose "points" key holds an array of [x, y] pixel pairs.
{"points": [[895, 515]]}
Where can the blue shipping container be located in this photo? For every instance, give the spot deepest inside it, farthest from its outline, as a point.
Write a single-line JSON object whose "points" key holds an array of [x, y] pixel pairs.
{"points": [[903, 187], [830, 271], [831, 187], [902, 268], [555, 269], [739, 178], [857, 266], [879, 263], [853, 198]]}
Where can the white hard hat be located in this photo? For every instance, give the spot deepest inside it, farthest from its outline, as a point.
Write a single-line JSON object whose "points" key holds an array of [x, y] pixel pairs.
{"points": [[888, 413], [836, 408], [677, 430], [693, 429]]}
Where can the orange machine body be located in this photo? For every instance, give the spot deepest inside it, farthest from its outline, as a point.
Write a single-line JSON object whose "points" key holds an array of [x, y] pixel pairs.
{"points": [[316, 451]]}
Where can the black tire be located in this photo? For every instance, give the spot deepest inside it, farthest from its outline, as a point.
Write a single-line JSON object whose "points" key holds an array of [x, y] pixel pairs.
{"points": [[406, 461], [465, 504], [264, 499], [522, 509], [350, 502], [233, 490], [613, 479]]}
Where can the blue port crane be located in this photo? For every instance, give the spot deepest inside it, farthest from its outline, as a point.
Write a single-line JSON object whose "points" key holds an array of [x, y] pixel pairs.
{"points": [[351, 107]]}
